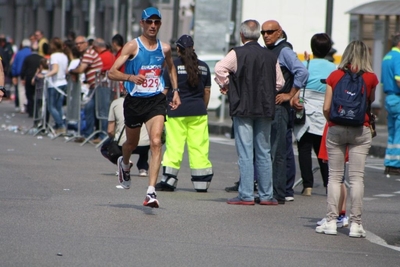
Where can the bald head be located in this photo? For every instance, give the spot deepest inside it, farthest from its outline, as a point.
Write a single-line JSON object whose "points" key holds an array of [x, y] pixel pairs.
{"points": [[271, 32]]}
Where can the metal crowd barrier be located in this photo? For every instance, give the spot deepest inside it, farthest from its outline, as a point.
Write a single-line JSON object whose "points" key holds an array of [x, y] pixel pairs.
{"points": [[40, 113], [103, 95], [73, 112]]}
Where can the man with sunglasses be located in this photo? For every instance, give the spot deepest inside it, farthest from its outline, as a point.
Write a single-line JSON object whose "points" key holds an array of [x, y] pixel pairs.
{"points": [[296, 75], [145, 58]]}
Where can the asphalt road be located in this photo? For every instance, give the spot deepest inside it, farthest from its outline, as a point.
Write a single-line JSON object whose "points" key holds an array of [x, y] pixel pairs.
{"points": [[59, 206]]}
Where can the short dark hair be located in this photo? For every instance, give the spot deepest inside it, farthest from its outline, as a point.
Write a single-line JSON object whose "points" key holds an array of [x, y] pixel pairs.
{"points": [[118, 39], [321, 44], [395, 39]]}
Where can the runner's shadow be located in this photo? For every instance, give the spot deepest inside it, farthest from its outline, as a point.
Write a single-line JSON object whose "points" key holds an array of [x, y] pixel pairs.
{"points": [[146, 210]]}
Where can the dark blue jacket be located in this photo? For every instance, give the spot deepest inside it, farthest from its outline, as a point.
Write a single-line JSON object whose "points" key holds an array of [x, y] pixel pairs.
{"points": [[19, 61]]}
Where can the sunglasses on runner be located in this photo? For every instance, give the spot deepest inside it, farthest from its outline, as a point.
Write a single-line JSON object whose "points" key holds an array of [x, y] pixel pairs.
{"points": [[156, 22]]}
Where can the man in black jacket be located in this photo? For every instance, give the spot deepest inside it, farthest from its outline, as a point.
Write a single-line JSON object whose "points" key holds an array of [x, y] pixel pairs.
{"points": [[29, 67], [253, 75]]}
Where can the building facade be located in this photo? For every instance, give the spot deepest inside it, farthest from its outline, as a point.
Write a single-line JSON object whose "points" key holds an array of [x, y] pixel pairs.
{"points": [[92, 18]]}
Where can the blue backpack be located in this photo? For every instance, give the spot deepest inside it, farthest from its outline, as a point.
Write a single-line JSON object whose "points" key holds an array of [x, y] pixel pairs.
{"points": [[349, 100]]}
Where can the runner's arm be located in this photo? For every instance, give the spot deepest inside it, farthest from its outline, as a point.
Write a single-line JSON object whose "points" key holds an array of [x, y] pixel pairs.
{"points": [[176, 101], [115, 74]]}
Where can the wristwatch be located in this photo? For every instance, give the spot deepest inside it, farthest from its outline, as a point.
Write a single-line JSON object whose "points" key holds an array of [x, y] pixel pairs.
{"points": [[175, 90]]}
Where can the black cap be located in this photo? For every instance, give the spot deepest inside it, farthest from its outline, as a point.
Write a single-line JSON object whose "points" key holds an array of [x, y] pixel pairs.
{"points": [[185, 41]]}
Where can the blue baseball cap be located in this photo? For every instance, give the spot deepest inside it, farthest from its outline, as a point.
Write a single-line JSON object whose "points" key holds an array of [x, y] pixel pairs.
{"points": [[150, 11]]}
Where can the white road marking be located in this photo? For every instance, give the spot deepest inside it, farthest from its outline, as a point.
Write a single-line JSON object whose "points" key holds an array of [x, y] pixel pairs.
{"points": [[384, 195], [222, 140], [371, 237]]}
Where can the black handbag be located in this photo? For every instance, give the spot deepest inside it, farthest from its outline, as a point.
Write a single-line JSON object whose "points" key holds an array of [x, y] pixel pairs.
{"points": [[113, 150]]}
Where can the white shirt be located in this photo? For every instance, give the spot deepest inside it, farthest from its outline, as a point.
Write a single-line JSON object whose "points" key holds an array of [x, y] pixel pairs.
{"points": [[62, 61]]}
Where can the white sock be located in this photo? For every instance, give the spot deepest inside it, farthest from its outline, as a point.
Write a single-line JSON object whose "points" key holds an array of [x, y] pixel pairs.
{"points": [[151, 189], [125, 167]]}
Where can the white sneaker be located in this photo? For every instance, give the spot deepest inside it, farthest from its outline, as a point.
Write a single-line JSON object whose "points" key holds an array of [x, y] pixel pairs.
{"points": [[289, 199], [143, 173], [151, 200], [342, 222], [328, 228], [321, 222], [356, 230], [123, 176]]}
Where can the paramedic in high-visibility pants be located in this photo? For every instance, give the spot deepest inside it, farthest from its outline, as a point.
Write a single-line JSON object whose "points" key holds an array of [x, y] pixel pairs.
{"points": [[189, 123]]}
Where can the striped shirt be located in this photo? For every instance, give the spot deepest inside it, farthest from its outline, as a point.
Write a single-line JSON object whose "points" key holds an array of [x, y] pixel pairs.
{"points": [[93, 60]]}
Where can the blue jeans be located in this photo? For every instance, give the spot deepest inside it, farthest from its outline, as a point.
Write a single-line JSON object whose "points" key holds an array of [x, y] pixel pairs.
{"points": [[90, 115], [54, 106], [392, 105], [252, 138], [102, 106], [278, 151]]}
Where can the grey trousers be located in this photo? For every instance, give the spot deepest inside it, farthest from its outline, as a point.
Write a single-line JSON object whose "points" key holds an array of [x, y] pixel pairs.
{"points": [[358, 141]]}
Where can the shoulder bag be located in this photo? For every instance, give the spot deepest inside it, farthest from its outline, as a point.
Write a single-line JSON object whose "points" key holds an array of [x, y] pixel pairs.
{"points": [[113, 150]]}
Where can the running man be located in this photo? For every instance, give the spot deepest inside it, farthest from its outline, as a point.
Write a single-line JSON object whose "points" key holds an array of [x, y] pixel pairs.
{"points": [[144, 59]]}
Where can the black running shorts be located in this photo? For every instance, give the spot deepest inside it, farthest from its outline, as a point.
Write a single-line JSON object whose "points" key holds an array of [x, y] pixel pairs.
{"points": [[138, 110]]}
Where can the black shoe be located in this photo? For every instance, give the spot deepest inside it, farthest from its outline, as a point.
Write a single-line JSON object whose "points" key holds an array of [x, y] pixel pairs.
{"points": [[162, 186], [392, 170], [281, 201], [201, 190], [234, 188]]}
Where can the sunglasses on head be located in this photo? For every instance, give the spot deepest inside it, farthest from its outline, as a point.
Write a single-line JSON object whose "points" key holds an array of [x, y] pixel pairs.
{"points": [[269, 32], [151, 21]]}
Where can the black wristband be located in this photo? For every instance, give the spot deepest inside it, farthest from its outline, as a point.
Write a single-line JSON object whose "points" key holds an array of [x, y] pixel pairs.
{"points": [[175, 90]]}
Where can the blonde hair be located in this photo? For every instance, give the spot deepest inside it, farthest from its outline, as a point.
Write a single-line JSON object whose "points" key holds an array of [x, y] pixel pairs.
{"points": [[356, 55]]}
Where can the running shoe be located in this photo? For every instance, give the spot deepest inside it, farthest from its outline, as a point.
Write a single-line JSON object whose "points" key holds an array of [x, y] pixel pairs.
{"points": [[340, 222], [130, 167], [356, 230], [328, 228], [124, 177], [151, 200], [143, 173]]}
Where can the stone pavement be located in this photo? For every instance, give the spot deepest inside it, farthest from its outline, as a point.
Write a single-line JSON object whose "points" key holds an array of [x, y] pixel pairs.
{"points": [[223, 127]]}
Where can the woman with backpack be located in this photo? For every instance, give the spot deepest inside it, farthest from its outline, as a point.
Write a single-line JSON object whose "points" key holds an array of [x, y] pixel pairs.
{"points": [[349, 91]]}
